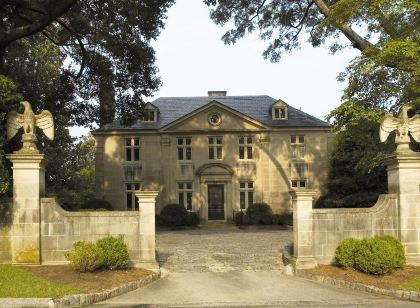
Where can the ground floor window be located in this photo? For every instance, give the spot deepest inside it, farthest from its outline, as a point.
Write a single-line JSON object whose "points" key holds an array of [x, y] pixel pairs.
{"points": [[299, 183], [185, 194], [132, 202], [246, 194]]}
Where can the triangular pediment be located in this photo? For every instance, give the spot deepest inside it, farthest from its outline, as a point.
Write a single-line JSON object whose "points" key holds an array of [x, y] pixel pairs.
{"points": [[214, 117]]}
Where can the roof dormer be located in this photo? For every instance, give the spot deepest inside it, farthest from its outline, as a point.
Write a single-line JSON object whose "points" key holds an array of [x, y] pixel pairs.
{"points": [[279, 111], [150, 113]]}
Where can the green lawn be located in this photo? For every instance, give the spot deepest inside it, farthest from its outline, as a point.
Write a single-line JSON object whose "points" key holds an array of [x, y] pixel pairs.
{"points": [[16, 282], [411, 285]]}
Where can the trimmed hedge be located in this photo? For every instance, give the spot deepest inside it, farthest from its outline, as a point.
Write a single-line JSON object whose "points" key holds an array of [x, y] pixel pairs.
{"points": [[378, 255], [96, 204], [262, 214], [176, 215], [114, 252], [85, 257]]}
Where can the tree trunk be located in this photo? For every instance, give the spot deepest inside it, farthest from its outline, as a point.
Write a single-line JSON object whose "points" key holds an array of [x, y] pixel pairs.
{"points": [[106, 101]]}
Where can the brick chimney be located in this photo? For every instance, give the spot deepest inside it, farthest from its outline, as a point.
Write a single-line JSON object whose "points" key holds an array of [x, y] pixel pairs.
{"points": [[216, 93]]}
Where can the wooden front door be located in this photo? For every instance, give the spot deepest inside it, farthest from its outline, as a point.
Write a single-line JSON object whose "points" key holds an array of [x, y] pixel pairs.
{"points": [[216, 202]]}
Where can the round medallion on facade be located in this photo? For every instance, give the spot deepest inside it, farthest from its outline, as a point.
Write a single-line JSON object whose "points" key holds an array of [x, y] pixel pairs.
{"points": [[215, 119]]}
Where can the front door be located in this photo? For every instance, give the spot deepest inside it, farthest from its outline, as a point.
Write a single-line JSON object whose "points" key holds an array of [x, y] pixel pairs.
{"points": [[216, 202]]}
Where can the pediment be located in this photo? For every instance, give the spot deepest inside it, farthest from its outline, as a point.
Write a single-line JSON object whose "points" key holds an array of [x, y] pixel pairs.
{"points": [[214, 169], [214, 117]]}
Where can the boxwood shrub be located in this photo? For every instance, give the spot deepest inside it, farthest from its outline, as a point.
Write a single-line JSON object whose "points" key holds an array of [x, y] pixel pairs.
{"points": [[173, 215], [114, 252], [344, 253], [85, 257], [258, 213]]}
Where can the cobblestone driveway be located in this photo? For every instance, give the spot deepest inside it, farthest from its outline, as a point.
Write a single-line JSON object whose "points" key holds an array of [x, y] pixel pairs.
{"points": [[221, 249]]}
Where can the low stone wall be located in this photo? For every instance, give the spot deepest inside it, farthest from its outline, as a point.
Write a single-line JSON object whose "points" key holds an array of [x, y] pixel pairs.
{"points": [[5, 227], [60, 229], [330, 226]]}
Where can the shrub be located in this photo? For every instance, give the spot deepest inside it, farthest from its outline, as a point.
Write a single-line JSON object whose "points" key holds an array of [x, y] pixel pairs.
{"points": [[266, 219], [379, 255], [173, 215], [85, 257], [96, 204], [114, 252], [276, 219], [344, 253], [256, 211], [192, 219], [239, 218], [286, 219]]}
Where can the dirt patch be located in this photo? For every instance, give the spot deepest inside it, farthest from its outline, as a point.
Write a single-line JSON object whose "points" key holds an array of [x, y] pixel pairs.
{"points": [[388, 281], [90, 282]]}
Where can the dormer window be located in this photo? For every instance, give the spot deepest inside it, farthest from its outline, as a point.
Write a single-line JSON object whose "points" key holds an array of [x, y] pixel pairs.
{"points": [[150, 113], [279, 111]]}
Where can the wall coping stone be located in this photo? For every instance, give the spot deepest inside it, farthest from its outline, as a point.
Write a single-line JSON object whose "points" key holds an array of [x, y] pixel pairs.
{"points": [[78, 300]]}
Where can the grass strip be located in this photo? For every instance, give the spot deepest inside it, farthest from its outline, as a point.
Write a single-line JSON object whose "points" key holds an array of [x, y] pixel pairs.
{"points": [[411, 285]]}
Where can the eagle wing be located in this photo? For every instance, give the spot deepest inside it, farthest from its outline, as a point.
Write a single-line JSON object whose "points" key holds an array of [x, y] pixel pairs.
{"points": [[414, 127], [45, 121], [14, 122], [389, 124]]}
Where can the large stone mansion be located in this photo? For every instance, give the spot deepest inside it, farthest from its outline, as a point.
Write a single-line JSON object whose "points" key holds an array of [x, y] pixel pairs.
{"points": [[215, 154]]}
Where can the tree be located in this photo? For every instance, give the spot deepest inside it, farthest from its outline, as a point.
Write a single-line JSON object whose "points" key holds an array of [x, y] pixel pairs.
{"points": [[107, 42]]}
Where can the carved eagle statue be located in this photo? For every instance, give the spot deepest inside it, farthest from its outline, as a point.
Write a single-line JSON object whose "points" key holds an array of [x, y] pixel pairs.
{"points": [[402, 125], [29, 120]]}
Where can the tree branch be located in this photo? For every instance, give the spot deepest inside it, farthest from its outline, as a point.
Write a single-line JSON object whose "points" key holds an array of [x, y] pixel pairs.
{"points": [[356, 40]]}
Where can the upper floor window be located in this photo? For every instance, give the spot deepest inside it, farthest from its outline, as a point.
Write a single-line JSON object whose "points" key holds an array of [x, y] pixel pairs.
{"points": [[299, 183], [150, 113], [215, 147], [279, 110], [184, 148], [185, 194], [246, 194], [245, 147], [132, 202], [132, 149], [298, 146]]}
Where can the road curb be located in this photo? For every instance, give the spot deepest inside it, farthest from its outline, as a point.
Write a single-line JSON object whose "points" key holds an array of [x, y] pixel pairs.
{"points": [[78, 300]]}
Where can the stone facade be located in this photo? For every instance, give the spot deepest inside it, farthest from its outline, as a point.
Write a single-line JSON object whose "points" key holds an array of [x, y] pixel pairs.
{"points": [[277, 150]]}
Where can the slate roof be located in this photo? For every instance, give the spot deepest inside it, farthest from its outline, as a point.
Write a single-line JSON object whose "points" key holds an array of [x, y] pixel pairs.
{"points": [[256, 107]]}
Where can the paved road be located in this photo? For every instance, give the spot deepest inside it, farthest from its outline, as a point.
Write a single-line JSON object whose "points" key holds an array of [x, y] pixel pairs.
{"points": [[215, 267]]}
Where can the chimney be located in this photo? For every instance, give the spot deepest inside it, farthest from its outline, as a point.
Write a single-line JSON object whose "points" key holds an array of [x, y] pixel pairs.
{"points": [[216, 93]]}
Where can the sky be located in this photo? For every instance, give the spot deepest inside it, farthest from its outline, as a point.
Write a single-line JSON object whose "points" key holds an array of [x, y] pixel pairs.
{"points": [[192, 60]]}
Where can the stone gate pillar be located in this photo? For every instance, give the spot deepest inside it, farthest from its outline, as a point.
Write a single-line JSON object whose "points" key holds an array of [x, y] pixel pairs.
{"points": [[147, 234], [303, 242], [28, 188], [404, 180]]}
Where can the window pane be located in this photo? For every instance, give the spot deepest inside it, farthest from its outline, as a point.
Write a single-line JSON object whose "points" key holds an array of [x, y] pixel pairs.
{"points": [[211, 140], [151, 116], [282, 113], [219, 153], [250, 184], [211, 153], [249, 152], [136, 186], [180, 185], [294, 183], [250, 198], [219, 140], [180, 154], [242, 199], [128, 154], [129, 201], [241, 153], [188, 153], [187, 141], [180, 141], [276, 113], [302, 183], [301, 139], [189, 185], [137, 154], [242, 184], [146, 116], [293, 139], [136, 203], [128, 186], [189, 201], [241, 140], [249, 140], [137, 141], [181, 198], [128, 142]]}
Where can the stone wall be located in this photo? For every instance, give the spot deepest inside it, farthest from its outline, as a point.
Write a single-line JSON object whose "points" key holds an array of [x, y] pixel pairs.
{"points": [[60, 229], [330, 226]]}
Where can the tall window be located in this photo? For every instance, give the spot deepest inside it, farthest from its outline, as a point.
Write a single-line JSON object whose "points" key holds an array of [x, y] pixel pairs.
{"points": [[246, 194], [132, 149], [185, 195], [245, 147], [132, 202], [215, 147], [298, 146], [184, 148]]}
